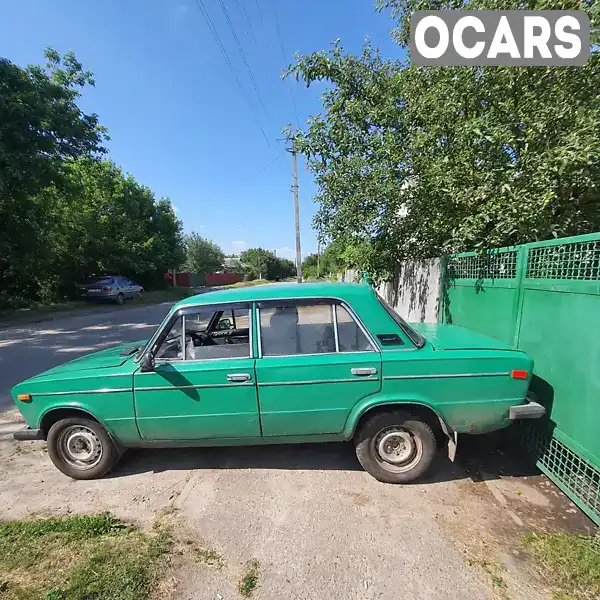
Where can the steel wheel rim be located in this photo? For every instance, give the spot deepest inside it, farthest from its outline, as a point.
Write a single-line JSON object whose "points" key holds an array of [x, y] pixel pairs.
{"points": [[80, 447], [397, 449]]}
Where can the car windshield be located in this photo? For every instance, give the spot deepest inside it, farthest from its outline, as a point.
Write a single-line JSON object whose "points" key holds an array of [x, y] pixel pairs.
{"points": [[143, 348], [102, 281], [415, 337]]}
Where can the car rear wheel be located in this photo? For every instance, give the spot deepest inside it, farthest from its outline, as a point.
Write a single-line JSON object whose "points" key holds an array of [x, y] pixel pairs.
{"points": [[140, 294], [81, 448], [120, 298], [395, 446]]}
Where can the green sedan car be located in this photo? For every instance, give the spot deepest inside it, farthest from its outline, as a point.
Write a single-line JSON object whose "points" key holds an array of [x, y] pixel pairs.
{"points": [[275, 364]]}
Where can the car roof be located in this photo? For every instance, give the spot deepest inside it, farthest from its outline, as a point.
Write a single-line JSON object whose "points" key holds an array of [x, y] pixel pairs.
{"points": [[279, 291]]}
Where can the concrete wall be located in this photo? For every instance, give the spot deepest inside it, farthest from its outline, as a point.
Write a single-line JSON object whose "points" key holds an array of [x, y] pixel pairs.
{"points": [[414, 292]]}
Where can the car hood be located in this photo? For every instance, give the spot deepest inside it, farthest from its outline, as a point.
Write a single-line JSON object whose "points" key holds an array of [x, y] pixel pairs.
{"points": [[111, 357], [452, 337]]}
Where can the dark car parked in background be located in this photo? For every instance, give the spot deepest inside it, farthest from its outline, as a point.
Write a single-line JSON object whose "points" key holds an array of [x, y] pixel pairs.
{"points": [[114, 288]]}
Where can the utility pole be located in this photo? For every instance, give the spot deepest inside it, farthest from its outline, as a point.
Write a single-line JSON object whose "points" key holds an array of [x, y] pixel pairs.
{"points": [[318, 258], [297, 217]]}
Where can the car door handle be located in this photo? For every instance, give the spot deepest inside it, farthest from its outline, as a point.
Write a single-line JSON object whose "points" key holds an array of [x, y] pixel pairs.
{"points": [[239, 377], [363, 371]]}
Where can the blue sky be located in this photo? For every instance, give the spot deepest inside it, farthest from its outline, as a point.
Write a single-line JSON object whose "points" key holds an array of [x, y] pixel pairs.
{"points": [[175, 115]]}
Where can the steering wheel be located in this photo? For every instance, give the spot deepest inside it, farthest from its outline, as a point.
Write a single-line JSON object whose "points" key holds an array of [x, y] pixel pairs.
{"points": [[204, 338]]}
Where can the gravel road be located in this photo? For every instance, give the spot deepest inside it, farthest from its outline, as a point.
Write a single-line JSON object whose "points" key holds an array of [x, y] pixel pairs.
{"points": [[319, 526]]}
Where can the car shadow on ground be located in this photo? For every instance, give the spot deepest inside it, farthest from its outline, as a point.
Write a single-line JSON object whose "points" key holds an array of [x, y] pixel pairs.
{"points": [[478, 458]]}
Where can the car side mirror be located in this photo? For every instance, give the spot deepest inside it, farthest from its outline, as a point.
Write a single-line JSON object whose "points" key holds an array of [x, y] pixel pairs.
{"points": [[225, 324], [148, 363]]}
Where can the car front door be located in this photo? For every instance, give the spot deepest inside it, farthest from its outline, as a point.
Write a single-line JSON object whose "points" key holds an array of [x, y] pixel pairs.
{"points": [[316, 362], [203, 384]]}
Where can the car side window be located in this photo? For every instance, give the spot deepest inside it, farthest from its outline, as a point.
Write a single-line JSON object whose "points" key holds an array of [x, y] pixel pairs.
{"points": [[288, 329], [170, 349], [218, 332], [351, 337]]}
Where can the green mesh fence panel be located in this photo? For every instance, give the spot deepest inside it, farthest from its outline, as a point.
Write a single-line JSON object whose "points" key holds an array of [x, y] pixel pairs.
{"points": [[579, 260], [496, 265], [546, 301], [577, 477]]}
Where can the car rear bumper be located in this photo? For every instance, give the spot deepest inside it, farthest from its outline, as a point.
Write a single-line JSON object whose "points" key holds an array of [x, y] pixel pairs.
{"points": [[27, 435], [530, 410]]}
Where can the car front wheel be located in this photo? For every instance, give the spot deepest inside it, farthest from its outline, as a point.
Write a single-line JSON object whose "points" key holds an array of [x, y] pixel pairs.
{"points": [[395, 446], [81, 448]]}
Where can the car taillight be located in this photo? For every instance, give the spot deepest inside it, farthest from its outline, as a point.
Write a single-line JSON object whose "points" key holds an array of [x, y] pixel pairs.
{"points": [[519, 374], [107, 289]]}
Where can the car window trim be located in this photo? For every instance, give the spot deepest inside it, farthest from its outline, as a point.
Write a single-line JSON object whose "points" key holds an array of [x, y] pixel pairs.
{"points": [[331, 301], [414, 336], [168, 321], [336, 334]]}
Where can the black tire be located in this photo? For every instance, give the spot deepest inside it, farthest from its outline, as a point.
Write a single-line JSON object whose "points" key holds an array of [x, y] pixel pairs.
{"points": [[64, 437], [120, 298], [410, 442], [140, 294]]}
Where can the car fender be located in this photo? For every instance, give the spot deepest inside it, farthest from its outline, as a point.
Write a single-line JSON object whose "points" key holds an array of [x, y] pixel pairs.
{"points": [[71, 405], [118, 429], [370, 402]]}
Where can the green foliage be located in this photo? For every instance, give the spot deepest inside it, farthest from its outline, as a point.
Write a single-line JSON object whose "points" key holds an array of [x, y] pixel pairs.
{"points": [[571, 563], [415, 162], [249, 581], [202, 255], [280, 268], [13, 532], [255, 261], [310, 266], [76, 557], [338, 256], [259, 263], [66, 215]]}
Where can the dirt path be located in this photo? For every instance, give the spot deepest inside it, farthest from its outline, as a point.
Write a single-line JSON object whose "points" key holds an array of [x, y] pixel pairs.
{"points": [[318, 526]]}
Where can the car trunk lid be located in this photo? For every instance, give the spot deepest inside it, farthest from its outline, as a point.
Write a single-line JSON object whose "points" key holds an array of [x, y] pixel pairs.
{"points": [[452, 337]]}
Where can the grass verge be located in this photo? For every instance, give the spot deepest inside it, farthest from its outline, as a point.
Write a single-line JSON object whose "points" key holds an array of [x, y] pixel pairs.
{"points": [[249, 581], [77, 557], [569, 562], [242, 284]]}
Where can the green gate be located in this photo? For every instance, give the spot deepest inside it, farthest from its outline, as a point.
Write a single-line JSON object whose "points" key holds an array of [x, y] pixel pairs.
{"points": [[544, 298]]}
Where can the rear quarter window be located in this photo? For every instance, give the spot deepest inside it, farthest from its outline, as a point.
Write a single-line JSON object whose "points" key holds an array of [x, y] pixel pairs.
{"points": [[414, 336]]}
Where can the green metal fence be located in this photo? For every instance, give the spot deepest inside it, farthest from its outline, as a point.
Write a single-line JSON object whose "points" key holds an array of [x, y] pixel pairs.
{"points": [[544, 298]]}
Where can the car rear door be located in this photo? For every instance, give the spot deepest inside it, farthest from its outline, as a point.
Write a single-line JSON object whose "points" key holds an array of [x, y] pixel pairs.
{"points": [[316, 361], [198, 392]]}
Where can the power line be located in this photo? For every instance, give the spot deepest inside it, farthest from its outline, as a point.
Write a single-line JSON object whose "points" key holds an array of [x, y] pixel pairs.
{"points": [[215, 34], [239, 45], [262, 20], [250, 32], [282, 48]]}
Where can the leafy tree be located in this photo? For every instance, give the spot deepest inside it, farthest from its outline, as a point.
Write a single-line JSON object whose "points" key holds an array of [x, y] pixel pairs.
{"points": [[280, 268], [41, 127], [310, 266], [414, 162], [66, 215], [256, 262], [338, 256], [203, 255], [108, 223]]}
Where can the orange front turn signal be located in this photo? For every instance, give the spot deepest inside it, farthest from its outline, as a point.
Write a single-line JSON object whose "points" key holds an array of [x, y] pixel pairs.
{"points": [[24, 397], [519, 374]]}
